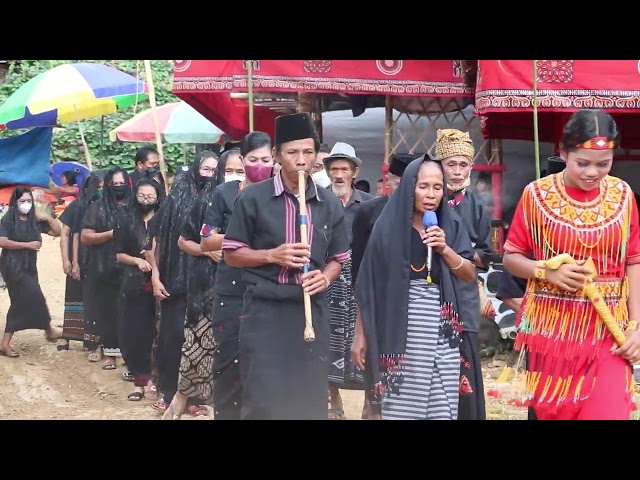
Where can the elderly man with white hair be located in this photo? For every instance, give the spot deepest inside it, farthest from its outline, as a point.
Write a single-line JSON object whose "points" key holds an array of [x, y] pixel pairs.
{"points": [[342, 166]]}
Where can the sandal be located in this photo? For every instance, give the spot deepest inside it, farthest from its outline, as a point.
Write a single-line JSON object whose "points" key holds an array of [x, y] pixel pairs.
{"points": [[127, 377], [9, 352], [109, 365], [135, 396], [62, 345], [160, 406], [95, 356], [336, 413], [198, 410], [152, 390]]}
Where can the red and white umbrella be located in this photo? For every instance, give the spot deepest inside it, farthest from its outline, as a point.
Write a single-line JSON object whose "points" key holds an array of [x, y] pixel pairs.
{"points": [[179, 123]]}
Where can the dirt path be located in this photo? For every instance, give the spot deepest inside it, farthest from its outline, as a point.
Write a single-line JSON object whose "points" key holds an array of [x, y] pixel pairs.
{"points": [[46, 384]]}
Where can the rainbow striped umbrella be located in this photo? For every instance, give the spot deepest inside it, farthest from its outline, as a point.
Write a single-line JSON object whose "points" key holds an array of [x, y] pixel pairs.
{"points": [[179, 123], [69, 93]]}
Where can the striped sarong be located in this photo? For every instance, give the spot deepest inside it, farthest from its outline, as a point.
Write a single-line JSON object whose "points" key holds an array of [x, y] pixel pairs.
{"points": [[431, 372]]}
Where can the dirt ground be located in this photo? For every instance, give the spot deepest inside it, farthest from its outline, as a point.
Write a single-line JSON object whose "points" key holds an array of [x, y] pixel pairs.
{"points": [[46, 384]]}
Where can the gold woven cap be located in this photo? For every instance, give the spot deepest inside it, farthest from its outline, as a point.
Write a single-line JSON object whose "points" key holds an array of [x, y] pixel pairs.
{"points": [[452, 143]]}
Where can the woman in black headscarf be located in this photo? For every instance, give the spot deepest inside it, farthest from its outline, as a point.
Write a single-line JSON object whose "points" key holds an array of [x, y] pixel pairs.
{"points": [[408, 327], [137, 306], [154, 174], [170, 271], [90, 193], [195, 380], [103, 272], [73, 327], [21, 230]]}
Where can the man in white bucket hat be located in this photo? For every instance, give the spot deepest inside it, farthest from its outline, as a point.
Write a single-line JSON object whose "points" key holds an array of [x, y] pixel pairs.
{"points": [[343, 165]]}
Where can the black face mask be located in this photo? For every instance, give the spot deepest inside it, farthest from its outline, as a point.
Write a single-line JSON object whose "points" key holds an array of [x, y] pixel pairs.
{"points": [[202, 181], [145, 207], [119, 191]]}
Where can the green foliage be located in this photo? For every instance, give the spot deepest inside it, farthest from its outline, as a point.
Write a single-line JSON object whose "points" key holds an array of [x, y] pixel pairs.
{"points": [[67, 142]]}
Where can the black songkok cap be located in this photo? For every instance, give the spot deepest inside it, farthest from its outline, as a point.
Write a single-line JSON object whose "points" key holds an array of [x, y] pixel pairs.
{"points": [[297, 126], [399, 161]]}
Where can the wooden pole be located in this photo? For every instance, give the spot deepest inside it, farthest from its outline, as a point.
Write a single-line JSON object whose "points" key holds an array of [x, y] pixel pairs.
{"points": [[250, 90], [156, 122], [536, 137]]}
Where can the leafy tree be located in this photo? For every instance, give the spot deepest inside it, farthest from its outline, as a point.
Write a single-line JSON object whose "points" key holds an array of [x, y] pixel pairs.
{"points": [[67, 143]]}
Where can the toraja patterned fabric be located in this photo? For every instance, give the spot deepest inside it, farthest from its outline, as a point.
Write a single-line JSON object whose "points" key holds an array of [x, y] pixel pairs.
{"points": [[505, 85], [555, 71], [387, 77], [559, 339], [451, 143]]}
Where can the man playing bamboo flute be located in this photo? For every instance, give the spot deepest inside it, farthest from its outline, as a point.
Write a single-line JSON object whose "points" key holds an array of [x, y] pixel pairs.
{"points": [[284, 376]]}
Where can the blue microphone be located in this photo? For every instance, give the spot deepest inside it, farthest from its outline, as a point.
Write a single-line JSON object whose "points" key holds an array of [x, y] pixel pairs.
{"points": [[429, 219]]}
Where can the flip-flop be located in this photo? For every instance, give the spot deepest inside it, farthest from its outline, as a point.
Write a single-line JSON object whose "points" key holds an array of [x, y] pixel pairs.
{"points": [[160, 406], [198, 410], [135, 396], [109, 366], [95, 356], [127, 377]]}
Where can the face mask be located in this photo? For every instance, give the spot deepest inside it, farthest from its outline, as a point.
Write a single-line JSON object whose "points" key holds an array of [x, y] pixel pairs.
{"points": [[145, 207], [257, 172], [202, 181], [25, 208], [119, 191], [233, 177], [321, 178], [99, 194]]}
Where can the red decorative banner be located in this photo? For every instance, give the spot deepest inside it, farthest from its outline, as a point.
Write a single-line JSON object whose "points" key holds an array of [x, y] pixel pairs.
{"points": [[507, 85], [432, 78], [504, 96]]}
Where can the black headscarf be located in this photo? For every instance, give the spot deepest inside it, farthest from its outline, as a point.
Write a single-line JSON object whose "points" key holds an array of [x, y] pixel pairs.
{"points": [[173, 263], [382, 287], [12, 217], [89, 190], [153, 174], [16, 262], [108, 214]]}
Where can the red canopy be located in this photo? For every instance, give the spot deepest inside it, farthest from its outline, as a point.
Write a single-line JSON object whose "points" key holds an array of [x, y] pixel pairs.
{"points": [[205, 84], [442, 78], [504, 96]]}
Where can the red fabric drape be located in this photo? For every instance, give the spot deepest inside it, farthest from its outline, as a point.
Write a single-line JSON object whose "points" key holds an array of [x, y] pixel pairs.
{"points": [[504, 96]]}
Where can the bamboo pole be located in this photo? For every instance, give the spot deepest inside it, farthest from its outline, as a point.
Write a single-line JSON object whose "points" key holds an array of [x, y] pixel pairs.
{"points": [[536, 140], [388, 128], [250, 88], [156, 122]]}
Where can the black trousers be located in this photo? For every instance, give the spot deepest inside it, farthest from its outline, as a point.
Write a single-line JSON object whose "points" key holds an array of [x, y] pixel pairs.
{"points": [[170, 340], [137, 330], [102, 309], [227, 388]]}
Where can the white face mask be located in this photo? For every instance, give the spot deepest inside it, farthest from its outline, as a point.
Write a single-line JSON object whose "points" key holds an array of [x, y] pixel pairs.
{"points": [[321, 178], [25, 208], [234, 176]]}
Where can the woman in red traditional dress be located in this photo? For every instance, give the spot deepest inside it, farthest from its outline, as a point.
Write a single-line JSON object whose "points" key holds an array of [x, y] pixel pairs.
{"points": [[576, 371]]}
